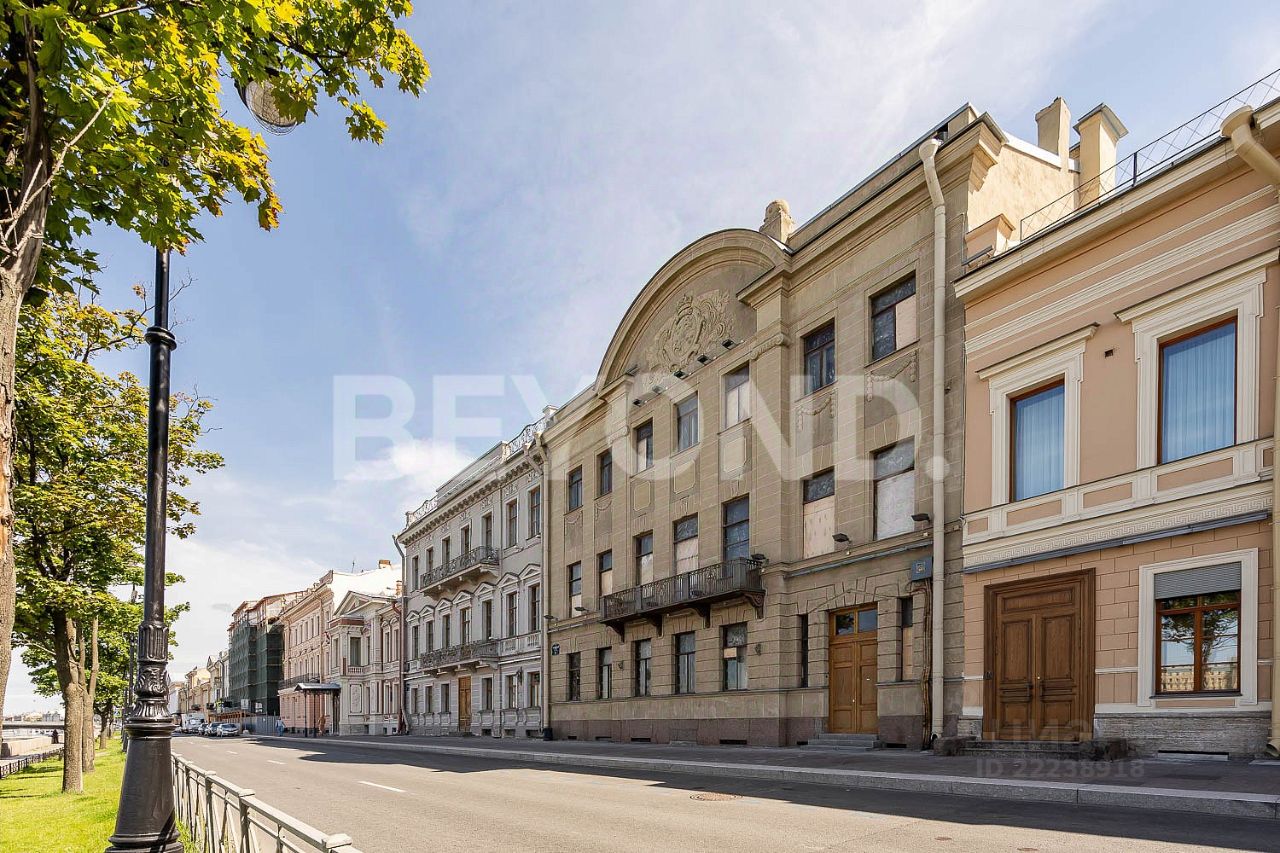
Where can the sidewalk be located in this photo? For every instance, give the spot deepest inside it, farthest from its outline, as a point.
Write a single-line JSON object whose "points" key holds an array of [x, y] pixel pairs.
{"points": [[1225, 788]]}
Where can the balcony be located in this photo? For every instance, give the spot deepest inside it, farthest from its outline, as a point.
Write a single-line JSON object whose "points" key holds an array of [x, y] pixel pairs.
{"points": [[467, 655], [461, 569], [696, 590]]}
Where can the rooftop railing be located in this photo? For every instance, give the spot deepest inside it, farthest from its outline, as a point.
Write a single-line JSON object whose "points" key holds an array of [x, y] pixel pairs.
{"points": [[1151, 159]]}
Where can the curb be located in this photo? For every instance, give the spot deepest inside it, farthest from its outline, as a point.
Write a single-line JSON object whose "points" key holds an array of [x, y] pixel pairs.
{"points": [[1226, 803]]}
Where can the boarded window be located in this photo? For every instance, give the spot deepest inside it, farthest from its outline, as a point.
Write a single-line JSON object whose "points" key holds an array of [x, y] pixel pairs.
{"points": [[819, 494], [895, 489], [893, 319]]}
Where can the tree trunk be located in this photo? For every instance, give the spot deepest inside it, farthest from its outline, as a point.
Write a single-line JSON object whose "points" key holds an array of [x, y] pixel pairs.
{"points": [[70, 681], [89, 750], [104, 733], [18, 264]]}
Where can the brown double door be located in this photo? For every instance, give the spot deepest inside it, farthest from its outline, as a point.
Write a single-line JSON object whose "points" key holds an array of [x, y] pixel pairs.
{"points": [[1039, 659], [852, 683], [464, 702]]}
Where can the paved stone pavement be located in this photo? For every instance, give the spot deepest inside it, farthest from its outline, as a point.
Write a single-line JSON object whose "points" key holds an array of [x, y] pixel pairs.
{"points": [[406, 800]]}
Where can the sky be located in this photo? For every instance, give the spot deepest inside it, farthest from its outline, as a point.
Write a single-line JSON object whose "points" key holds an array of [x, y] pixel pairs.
{"points": [[559, 155]]}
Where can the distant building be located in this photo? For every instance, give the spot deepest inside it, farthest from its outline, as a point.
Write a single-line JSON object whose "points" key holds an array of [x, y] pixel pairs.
{"points": [[256, 654], [366, 640]]}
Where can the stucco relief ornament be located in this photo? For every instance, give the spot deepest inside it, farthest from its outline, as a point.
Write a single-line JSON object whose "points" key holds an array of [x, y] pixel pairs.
{"points": [[698, 323]]}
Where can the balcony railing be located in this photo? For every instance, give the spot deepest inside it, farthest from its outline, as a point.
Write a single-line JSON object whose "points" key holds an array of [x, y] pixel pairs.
{"points": [[698, 589], [1152, 158], [309, 678], [459, 656], [485, 555]]}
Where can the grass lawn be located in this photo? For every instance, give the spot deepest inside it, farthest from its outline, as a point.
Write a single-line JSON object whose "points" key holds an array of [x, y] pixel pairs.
{"points": [[36, 817]]}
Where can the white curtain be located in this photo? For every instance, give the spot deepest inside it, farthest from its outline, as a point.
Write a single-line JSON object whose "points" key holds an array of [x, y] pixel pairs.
{"points": [[1038, 425], [1198, 394]]}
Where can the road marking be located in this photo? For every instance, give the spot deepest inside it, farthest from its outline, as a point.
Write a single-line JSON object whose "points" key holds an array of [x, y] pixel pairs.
{"points": [[383, 787], [233, 752], [273, 761]]}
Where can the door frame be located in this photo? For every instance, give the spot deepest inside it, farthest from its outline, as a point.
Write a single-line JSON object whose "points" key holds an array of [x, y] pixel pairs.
{"points": [[1088, 642], [464, 718], [857, 639]]}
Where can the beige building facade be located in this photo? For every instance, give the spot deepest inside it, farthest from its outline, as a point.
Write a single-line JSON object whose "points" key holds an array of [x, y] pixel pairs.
{"points": [[741, 510], [364, 636], [308, 701], [473, 571], [1120, 390]]}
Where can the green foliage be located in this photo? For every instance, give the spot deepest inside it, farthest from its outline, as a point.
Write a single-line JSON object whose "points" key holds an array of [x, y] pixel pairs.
{"points": [[131, 99], [80, 440]]}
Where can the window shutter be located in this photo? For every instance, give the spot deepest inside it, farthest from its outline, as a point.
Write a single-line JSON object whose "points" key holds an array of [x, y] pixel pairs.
{"points": [[1202, 581]]}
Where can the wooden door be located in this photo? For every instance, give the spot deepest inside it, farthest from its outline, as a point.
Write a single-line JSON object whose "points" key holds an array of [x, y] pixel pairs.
{"points": [[852, 671], [1039, 659], [464, 702]]}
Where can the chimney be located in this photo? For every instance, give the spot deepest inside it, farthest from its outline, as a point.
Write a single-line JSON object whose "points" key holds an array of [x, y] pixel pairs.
{"points": [[778, 223], [384, 564], [1099, 131], [1053, 127], [399, 588]]}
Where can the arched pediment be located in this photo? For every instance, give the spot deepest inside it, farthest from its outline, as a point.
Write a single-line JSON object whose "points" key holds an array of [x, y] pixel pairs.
{"points": [[690, 305]]}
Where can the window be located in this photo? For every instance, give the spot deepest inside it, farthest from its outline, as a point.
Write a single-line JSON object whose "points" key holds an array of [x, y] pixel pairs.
{"points": [[445, 691], [535, 689], [644, 558], [604, 473], [643, 668], [819, 522], [486, 694], [446, 636], [687, 423], [820, 358], [802, 628], [486, 619], [686, 652], [446, 550], [431, 635], [431, 559], [513, 692], [465, 635], [734, 656], [906, 639], [535, 512], [737, 396], [644, 446], [431, 700], [604, 667], [486, 530], [466, 540], [895, 489], [353, 654], [413, 580], [575, 676], [1037, 429], [1198, 392], [513, 523], [513, 610], [535, 606], [893, 319], [686, 538], [605, 563], [737, 529], [1199, 641], [575, 488], [575, 589], [414, 699], [416, 650]]}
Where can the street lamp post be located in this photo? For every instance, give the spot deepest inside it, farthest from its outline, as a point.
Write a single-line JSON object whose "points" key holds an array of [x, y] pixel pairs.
{"points": [[146, 819]]}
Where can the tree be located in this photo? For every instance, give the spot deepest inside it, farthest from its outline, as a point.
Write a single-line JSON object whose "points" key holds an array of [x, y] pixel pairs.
{"points": [[79, 494], [111, 112]]}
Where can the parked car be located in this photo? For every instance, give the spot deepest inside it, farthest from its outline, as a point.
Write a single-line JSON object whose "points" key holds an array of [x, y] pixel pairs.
{"points": [[226, 730]]}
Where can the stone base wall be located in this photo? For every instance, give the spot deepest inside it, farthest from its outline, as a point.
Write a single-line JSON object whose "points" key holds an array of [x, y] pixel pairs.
{"points": [[1240, 734], [784, 731]]}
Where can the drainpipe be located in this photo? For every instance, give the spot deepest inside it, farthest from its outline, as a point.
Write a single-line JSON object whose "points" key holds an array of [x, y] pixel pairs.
{"points": [[404, 632], [1238, 127], [938, 440], [544, 709]]}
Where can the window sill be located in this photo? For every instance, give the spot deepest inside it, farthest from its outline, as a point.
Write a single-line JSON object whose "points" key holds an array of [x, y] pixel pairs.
{"points": [[878, 362], [1200, 694]]}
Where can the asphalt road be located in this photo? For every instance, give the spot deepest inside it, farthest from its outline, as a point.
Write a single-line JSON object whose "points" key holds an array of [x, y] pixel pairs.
{"points": [[390, 802]]}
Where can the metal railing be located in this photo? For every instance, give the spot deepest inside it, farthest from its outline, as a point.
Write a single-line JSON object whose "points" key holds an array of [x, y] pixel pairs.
{"points": [[308, 678], [9, 766], [740, 575], [1152, 158], [484, 555], [464, 653], [225, 818]]}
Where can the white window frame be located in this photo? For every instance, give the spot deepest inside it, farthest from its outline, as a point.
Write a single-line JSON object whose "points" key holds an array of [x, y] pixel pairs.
{"points": [[1236, 290], [1248, 560], [1061, 358]]}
